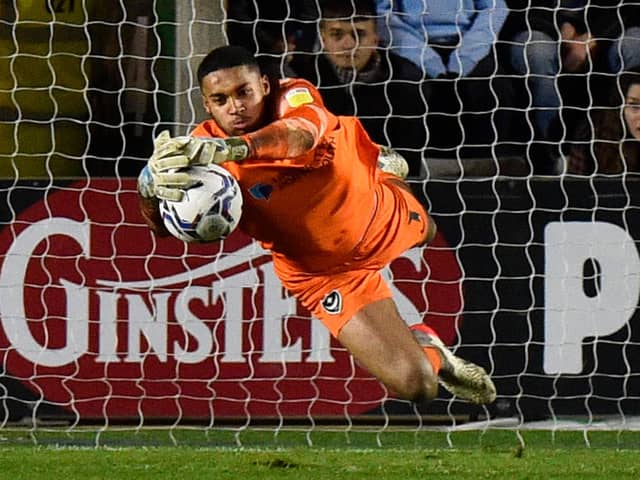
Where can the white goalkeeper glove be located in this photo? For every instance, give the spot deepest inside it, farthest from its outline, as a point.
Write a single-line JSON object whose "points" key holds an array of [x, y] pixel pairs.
{"points": [[162, 178]]}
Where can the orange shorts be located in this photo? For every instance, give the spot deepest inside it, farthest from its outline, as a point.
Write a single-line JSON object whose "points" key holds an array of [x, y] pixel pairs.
{"points": [[334, 297]]}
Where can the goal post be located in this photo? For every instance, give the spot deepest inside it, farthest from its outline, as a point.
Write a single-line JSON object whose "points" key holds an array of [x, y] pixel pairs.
{"points": [[199, 29], [101, 323]]}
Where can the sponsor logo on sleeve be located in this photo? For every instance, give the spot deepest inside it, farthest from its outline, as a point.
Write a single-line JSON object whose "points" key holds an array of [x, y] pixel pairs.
{"points": [[298, 96]]}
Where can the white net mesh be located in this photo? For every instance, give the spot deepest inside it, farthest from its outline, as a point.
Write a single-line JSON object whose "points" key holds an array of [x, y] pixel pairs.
{"points": [[533, 277]]}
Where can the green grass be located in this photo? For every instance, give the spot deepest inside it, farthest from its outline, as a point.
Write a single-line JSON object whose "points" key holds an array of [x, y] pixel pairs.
{"points": [[194, 454]]}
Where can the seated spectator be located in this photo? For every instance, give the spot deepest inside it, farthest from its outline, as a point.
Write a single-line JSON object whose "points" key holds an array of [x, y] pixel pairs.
{"points": [[356, 77], [612, 145], [597, 40], [455, 45]]}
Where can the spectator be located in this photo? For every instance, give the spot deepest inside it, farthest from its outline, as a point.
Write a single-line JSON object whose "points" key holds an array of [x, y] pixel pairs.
{"points": [[613, 146], [455, 45], [597, 40], [356, 77]]}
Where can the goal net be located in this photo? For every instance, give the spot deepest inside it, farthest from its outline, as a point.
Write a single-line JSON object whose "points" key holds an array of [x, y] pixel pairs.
{"points": [[534, 273]]}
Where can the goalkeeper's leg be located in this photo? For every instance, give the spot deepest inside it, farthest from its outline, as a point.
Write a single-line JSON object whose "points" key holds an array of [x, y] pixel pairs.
{"points": [[357, 308], [379, 340], [411, 363]]}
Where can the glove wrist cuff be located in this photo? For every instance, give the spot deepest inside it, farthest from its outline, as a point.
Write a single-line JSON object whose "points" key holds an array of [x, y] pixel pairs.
{"points": [[251, 149], [239, 148], [146, 187]]}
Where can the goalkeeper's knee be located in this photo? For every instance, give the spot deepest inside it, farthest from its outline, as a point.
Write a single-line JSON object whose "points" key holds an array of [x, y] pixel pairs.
{"points": [[418, 384]]}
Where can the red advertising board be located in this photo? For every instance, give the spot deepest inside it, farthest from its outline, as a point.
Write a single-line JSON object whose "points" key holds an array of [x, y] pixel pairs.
{"points": [[101, 318]]}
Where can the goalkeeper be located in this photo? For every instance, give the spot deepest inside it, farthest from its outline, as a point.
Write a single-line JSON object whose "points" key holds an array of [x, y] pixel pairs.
{"points": [[317, 198]]}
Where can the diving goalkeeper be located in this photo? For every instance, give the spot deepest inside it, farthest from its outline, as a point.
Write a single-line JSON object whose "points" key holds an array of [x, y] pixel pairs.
{"points": [[315, 196]]}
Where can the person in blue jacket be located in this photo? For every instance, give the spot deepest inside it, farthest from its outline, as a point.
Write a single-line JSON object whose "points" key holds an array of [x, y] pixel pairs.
{"points": [[456, 46]]}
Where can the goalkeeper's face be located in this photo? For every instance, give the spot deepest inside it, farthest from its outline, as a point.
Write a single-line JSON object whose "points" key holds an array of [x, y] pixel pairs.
{"points": [[235, 98]]}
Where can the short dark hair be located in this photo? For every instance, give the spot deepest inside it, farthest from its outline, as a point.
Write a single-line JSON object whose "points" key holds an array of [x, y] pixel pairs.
{"points": [[228, 56], [627, 79], [357, 10]]}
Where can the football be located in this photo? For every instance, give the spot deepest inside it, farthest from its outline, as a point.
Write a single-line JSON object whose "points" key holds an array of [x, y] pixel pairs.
{"points": [[208, 211]]}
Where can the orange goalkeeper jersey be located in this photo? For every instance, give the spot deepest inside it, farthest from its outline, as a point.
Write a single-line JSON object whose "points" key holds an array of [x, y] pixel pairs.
{"points": [[313, 209]]}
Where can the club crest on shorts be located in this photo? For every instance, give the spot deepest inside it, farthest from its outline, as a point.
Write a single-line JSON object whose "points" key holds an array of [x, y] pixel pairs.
{"points": [[332, 302]]}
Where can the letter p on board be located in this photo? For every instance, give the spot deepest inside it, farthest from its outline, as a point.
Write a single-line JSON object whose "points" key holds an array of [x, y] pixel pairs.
{"points": [[573, 313]]}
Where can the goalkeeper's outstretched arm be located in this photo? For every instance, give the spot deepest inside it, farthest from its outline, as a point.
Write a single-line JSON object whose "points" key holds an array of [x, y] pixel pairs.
{"points": [[298, 128]]}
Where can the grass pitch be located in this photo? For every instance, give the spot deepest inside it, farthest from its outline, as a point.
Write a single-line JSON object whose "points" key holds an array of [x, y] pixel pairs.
{"points": [[193, 454]]}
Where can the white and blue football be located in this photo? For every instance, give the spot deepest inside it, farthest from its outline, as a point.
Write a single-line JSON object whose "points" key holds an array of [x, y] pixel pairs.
{"points": [[208, 211]]}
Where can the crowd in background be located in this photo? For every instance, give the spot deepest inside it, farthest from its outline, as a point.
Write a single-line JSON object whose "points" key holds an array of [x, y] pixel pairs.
{"points": [[552, 84], [555, 82]]}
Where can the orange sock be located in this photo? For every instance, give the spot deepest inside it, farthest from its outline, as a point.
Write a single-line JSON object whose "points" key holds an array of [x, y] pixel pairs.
{"points": [[433, 355]]}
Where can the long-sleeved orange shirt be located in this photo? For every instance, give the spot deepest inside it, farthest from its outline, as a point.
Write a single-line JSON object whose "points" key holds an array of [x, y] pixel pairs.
{"points": [[312, 208]]}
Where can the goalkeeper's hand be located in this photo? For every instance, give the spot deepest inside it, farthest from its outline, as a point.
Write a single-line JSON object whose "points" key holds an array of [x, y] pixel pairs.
{"points": [[391, 161], [162, 177]]}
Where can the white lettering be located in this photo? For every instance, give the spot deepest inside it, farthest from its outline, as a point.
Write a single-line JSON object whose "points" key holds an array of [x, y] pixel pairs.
{"points": [[108, 334], [276, 311], [150, 324], [571, 315], [12, 312], [147, 325], [320, 343], [231, 291], [196, 331]]}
